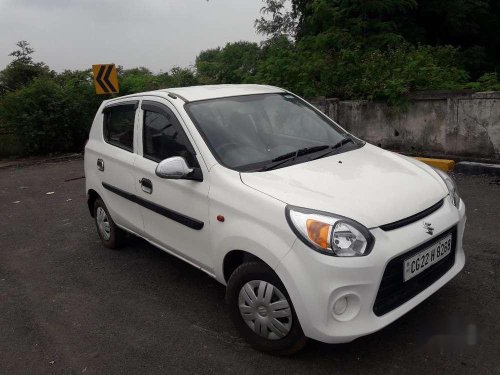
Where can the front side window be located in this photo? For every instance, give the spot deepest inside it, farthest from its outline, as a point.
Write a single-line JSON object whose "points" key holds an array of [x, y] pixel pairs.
{"points": [[163, 136], [251, 132], [118, 127]]}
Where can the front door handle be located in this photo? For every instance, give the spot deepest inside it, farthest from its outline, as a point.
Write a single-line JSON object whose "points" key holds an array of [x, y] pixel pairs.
{"points": [[146, 185], [100, 164]]}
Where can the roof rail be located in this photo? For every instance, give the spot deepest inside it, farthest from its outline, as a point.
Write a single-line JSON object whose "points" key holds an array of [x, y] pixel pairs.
{"points": [[175, 96]]}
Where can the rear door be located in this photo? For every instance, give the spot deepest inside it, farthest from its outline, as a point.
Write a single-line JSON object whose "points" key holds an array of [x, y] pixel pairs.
{"points": [[115, 163], [175, 212]]}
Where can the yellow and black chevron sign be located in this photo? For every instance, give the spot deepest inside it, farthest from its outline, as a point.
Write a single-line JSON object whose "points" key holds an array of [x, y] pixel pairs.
{"points": [[105, 79]]}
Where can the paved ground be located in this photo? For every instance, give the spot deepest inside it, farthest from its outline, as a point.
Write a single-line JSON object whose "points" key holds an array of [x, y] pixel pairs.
{"points": [[68, 305]]}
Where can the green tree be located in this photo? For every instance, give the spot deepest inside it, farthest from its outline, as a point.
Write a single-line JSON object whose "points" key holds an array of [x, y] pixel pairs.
{"points": [[136, 80], [375, 49], [470, 25], [283, 65], [22, 70], [209, 66], [283, 22], [337, 24], [23, 54], [180, 77], [235, 63]]}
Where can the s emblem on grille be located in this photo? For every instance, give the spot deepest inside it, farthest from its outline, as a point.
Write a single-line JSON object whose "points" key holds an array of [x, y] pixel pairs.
{"points": [[428, 228]]}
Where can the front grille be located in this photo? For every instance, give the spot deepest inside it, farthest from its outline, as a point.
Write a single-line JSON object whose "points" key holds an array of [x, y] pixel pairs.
{"points": [[412, 218], [393, 291]]}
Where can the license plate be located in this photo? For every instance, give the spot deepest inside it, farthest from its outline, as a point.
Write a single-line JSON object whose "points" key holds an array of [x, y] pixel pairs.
{"points": [[427, 257]]}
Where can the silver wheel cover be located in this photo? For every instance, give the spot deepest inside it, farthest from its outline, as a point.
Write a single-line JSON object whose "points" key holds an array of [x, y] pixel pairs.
{"points": [[103, 223], [265, 309]]}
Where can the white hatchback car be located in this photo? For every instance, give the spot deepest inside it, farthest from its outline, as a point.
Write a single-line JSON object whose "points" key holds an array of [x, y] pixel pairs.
{"points": [[315, 233]]}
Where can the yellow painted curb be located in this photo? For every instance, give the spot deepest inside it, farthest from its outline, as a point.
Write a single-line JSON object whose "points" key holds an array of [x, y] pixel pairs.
{"points": [[443, 164]]}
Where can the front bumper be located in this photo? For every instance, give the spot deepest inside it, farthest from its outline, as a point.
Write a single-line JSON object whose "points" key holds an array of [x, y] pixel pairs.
{"points": [[315, 281]]}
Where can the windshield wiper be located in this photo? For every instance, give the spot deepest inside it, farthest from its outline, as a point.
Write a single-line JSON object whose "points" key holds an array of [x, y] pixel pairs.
{"points": [[302, 151], [277, 161], [290, 156], [341, 143], [336, 146]]}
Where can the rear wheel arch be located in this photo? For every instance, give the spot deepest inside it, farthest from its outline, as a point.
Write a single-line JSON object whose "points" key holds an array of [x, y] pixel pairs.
{"points": [[92, 196]]}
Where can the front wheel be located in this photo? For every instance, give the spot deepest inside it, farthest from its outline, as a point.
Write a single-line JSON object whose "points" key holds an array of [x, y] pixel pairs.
{"points": [[262, 311]]}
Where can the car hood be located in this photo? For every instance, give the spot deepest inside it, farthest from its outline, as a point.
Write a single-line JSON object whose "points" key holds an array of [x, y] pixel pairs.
{"points": [[368, 184]]}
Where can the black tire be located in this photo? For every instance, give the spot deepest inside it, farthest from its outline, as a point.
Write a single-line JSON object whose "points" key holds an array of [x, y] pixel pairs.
{"points": [[116, 235], [289, 344]]}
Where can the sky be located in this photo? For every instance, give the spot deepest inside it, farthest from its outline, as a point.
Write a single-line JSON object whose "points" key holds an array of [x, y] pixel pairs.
{"points": [[157, 34]]}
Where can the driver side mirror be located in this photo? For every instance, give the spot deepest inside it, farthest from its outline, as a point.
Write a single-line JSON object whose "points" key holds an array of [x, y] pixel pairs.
{"points": [[176, 168]]}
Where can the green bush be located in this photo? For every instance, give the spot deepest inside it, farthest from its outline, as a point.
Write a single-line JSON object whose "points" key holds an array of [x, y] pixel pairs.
{"points": [[356, 73], [487, 82], [53, 114], [49, 117], [392, 74]]}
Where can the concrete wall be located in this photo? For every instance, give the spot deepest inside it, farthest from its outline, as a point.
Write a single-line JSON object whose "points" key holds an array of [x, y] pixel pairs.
{"points": [[453, 124]]}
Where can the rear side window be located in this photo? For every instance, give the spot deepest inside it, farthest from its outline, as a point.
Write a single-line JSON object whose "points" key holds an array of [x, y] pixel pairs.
{"points": [[163, 136], [119, 125]]}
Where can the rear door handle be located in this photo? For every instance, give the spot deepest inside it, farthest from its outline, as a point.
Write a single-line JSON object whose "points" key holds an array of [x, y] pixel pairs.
{"points": [[146, 185], [100, 164]]}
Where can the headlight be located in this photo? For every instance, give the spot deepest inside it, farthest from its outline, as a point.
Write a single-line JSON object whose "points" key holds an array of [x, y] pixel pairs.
{"points": [[329, 234], [451, 185]]}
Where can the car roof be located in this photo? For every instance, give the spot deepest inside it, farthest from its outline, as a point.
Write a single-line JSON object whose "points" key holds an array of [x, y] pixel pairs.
{"points": [[194, 93], [204, 92]]}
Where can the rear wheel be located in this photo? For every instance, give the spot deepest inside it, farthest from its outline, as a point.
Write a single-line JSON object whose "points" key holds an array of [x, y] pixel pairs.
{"points": [[111, 236], [262, 310]]}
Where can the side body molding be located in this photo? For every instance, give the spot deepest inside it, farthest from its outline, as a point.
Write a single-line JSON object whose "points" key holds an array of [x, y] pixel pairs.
{"points": [[168, 213]]}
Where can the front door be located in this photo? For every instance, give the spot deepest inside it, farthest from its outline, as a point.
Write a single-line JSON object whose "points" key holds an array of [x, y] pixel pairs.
{"points": [[175, 212]]}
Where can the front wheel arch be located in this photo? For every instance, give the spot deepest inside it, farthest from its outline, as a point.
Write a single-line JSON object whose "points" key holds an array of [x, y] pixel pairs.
{"points": [[235, 258]]}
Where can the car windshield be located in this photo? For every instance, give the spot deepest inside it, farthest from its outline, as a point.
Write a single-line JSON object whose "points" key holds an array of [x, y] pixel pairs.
{"points": [[250, 132]]}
